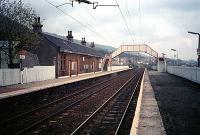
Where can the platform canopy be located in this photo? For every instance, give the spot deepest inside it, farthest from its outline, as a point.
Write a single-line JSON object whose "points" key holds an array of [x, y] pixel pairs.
{"points": [[135, 48]]}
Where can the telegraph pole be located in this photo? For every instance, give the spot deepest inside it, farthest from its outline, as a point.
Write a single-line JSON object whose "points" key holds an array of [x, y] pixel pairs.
{"points": [[198, 49]]}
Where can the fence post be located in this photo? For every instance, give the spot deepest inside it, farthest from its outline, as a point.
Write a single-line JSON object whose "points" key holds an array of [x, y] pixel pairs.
{"points": [[21, 75]]}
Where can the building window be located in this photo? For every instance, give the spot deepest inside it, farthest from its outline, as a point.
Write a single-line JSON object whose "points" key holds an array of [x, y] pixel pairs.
{"points": [[63, 62], [86, 66], [99, 65], [74, 65]]}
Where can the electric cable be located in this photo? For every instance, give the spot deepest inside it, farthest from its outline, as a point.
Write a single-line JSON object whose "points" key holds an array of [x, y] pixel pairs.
{"points": [[97, 22], [129, 15], [125, 21], [82, 24]]}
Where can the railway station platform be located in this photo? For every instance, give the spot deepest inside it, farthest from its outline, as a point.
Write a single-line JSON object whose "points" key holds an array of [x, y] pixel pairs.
{"points": [[167, 104], [147, 119], [20, 89]]}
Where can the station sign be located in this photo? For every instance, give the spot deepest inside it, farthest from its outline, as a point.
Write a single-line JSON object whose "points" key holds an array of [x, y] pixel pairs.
{"points": [[22, 57], [22, 54]]}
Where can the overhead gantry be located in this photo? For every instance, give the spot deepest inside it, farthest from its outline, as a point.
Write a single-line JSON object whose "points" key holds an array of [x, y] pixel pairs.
{"points": [[135, 48]]}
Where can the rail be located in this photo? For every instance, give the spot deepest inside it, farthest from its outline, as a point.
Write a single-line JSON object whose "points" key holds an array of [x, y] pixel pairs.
{"points": [[81, 126], [29, 127]]}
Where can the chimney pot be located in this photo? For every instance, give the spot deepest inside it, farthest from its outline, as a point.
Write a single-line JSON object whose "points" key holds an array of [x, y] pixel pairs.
{"points": [[92, 45], [38, 20], [69, 36], [83, 42], [37, 26]]}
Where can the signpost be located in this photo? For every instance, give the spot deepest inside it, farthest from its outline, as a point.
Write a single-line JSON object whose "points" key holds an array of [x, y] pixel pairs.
{"points": [[21, 58]]}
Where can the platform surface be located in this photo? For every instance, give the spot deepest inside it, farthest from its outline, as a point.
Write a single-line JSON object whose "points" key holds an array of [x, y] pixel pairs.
{"points": [[19, 89], [179, 103], [147, 119]]}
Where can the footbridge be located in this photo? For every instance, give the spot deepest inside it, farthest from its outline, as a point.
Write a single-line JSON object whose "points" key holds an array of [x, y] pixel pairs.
{"points": [[135, 48], [128, 48]]}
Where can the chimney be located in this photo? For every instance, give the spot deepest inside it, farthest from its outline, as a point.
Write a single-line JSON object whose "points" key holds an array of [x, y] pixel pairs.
{"points": [[69, 36], [37, 26], [83, 42], [92, 45]]}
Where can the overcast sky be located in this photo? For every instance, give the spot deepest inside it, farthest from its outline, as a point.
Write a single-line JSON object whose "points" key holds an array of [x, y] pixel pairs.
{"points": [[163, 25]]}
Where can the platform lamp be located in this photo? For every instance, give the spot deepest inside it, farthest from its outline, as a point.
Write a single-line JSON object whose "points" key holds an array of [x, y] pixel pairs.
{"points": [[163, 54], [198, 49], [176, 56]]}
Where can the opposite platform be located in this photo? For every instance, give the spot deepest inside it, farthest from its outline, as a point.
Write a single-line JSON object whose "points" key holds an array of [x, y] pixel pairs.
{"points": [[176, 101], [20, 89], [179, 103]]}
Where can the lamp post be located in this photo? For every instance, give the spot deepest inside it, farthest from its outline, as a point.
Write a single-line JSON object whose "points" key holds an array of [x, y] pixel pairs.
{"points": [[198, 49], [163, 54], [165, 63], [21, 58], [175, 56]]}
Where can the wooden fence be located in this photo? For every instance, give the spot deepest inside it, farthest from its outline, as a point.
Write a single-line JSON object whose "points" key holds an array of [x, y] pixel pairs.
{"points": [[37, 73]]}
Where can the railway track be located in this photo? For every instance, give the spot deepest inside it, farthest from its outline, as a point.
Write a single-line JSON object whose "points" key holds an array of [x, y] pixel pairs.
{"points": [[28, 120], [116, 114], [57, 100], [24, 103]]}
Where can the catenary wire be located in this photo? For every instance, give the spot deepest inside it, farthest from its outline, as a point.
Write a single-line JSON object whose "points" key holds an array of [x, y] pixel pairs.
{"points": [[140, 16], [98, 22], [99, 35], [129, 15], [104, 32], [125, 21]]}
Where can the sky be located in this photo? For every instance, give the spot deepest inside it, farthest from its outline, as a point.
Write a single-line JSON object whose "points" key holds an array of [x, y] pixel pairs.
{"points": [[161, 24]]}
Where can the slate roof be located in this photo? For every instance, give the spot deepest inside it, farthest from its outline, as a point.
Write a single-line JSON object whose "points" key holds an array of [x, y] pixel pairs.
{"points": [[71, 47]]}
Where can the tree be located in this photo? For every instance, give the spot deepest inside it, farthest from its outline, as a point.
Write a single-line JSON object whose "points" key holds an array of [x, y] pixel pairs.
{"points": [[16, 21]]}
